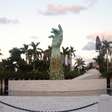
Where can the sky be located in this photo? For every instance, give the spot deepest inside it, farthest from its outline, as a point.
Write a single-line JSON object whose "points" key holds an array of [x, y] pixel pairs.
{"points": [[24, 21]]}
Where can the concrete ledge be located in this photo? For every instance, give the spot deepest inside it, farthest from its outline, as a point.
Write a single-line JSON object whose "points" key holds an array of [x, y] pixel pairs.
{"points": [[58, 93], [57, 87]]}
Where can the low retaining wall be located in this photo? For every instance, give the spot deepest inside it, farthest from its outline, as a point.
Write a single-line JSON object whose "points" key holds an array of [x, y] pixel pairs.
{"points": [[57, 87]]}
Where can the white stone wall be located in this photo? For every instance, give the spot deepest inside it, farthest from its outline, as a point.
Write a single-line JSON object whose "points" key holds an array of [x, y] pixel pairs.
{"points": [[41, 87]]}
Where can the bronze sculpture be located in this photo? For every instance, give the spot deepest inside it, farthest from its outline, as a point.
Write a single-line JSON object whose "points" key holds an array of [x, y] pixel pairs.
{"points": [[56, 69]]}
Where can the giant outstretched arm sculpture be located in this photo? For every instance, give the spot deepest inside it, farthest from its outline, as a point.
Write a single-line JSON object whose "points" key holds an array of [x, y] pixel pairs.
{"points": [[56, 71]]}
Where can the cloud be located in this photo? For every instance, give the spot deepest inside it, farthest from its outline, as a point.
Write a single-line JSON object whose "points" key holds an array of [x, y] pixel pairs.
{"points": [[62, 9], [102, 35], [59, 9], [90, 2], [33, 37], [89, 46], [5, 20]]}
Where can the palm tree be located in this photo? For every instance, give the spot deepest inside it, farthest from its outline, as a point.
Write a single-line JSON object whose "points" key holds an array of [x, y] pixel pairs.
{"points": [[67, 56], [106, 48], [25, 51], [105, 52], [79, 64], [71, 53], [1, 81], [30, 53], [108, 52], [36, 53], [47, 54], [34, 50], [65, 53]]}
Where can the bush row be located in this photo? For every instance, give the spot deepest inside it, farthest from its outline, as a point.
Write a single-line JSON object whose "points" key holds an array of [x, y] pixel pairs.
{"points": [[24, 75]]}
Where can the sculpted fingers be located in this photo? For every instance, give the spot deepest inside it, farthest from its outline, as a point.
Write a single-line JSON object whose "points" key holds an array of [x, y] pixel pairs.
{"points": [[60, 28]]}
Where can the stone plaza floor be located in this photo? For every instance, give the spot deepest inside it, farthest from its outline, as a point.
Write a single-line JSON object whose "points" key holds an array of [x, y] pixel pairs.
{"points": [[48, 103]]}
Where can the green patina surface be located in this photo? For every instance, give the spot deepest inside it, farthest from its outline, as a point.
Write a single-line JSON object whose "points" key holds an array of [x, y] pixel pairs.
{"points": [[56, 68]]}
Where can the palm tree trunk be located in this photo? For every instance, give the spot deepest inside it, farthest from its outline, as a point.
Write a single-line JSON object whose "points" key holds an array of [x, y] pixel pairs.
{"points": [[34, 66], [1, 89], [107, 61], [6, 87], [108, 86], [108, 78]]}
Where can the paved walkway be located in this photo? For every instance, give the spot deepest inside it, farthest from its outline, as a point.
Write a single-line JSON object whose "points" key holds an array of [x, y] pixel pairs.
{"points": [[48, 104], [90, 74]]}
